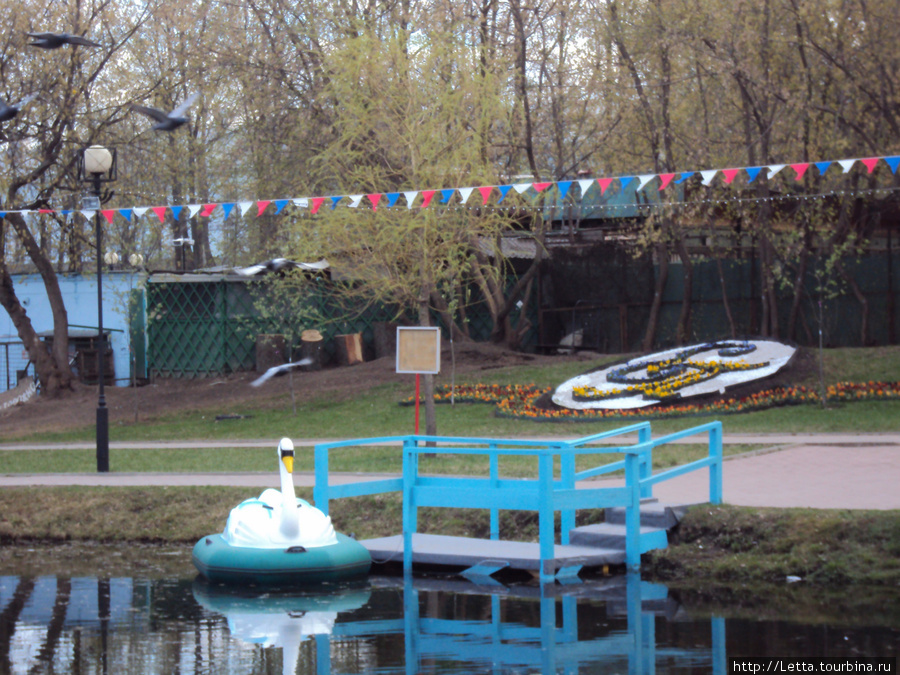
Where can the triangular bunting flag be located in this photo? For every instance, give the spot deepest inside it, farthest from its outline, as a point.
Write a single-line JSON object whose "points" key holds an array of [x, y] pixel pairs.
{"points": [[684, 176], [485, 193], [316, 203], [125, 213], [410, 198], [847, 164], [160, 212], [822, 167], [604, 183], [446, 195], [392, 198], [893, 162], [45, 211], [261, 206], [110, 215], [504, 190], [426, 198], [800, 169], [279, 205], [708, 176], [753, 172], [245, 206], [664, 180], [870, 163], [521, 188], [563, 187], [207, 210], [644, 179], [226, 210], [176, 211], [465, 193], [194, 209], [354, 201], [88, 215], [585, 185], [624, 181], [730, 175], [540, 187], [303, 203], [374, 198], [775, 168], [336, 200], [139, 211]]}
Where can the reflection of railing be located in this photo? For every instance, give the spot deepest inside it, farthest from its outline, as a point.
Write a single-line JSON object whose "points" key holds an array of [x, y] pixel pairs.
{"points": [[549, 493]]}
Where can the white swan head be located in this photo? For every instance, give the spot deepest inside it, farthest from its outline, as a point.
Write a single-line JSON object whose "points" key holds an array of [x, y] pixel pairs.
{"points": [[286, 454]]}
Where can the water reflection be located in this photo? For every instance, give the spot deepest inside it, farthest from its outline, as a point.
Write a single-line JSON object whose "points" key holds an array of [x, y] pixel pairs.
{"points": [[387, 625]]}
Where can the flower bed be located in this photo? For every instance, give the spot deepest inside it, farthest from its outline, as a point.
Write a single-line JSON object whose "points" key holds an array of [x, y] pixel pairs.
{"points": [[522, 401]]}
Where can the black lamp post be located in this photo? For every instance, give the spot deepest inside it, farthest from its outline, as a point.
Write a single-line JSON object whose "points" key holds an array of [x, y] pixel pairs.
{"points": [[98, 166]]}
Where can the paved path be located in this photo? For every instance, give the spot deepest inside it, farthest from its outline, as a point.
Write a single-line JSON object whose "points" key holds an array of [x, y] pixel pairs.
{"points": [[845, 471]]}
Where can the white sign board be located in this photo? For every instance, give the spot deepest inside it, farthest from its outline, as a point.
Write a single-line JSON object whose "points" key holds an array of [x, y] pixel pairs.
{"points": [[418, 350]]}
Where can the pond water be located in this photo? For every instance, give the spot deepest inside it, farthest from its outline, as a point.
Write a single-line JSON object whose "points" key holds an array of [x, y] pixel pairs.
{"points": [[181, 624]]}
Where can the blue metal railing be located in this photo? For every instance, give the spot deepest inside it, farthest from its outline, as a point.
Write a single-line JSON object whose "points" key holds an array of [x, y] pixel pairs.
{"points": [[547, 494]]}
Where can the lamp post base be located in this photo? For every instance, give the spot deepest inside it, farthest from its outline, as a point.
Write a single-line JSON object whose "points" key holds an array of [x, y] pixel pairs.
{"points": [[102, 439]]}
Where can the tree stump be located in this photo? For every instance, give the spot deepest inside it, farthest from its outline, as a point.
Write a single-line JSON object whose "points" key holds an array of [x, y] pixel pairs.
{"points": [[348, 349], [311, 348]]}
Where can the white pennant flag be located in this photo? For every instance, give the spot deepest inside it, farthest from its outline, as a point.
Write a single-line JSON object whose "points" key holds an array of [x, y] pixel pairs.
{"points": [[302, 203], [194, 209], [410, 198], [88, 214], [465, 193], [521, 187], [355, 200], [775, 168], [244, 207], [139, 211], [585, 185], [708, 176], [847, 164], [643, 180]]}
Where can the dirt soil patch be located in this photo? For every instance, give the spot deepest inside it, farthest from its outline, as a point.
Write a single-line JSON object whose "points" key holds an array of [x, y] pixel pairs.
{"points": [[78, 409]]}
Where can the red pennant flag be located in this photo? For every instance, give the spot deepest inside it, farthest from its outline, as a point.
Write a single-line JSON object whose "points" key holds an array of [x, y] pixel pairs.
{"points": [[540, 187], [160, 212], [604, 183], [800, 169], [45, 210], [207, 210], [109, 214], [427, 195], [730, 174], [262, 207], [374, 198], [870, 163], [665, 179], [316, 203], [485, 193]]}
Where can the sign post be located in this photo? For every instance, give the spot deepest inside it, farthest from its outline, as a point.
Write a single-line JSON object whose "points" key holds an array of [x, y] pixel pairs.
{"points": [[418, 352]]}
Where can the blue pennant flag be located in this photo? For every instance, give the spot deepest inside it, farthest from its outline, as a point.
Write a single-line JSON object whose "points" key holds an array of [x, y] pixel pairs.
{"points": [[504, 189], [392, 198], [334, 202], [753, 172], [279, 204], [822, 167], [446, 195], [892, 162], [126, 214], [684, 176], [176, 211], [226, 209], [625, 180], [564, 186]]}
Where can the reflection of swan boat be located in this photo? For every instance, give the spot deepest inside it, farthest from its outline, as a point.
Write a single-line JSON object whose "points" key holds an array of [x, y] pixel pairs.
{"points": [[283, 619], [279, 539]]}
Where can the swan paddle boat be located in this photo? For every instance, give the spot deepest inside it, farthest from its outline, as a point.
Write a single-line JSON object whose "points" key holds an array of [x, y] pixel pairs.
{"points": [[278, 539]]}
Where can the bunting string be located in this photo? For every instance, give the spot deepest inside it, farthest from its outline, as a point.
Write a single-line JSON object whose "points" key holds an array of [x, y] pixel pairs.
{"points": [[491, 196]]}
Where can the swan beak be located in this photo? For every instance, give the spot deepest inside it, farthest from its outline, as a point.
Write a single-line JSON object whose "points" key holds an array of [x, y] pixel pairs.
{"points": [[288, 463]]}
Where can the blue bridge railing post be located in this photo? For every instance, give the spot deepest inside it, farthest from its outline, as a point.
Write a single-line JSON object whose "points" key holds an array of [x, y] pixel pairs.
{"points": [[633, 512], [715, 469], [320, 491], [410, 473]]}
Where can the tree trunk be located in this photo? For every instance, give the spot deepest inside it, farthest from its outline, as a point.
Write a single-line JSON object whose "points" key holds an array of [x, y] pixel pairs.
{"points": [[863, 301], [725, 303], [662, 252], [683, 331]]}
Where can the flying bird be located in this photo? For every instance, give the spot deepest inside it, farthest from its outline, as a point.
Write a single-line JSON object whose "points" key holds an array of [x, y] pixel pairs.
{"points": [[10, 110], [276, 371], [57, 40], [167, 121]]}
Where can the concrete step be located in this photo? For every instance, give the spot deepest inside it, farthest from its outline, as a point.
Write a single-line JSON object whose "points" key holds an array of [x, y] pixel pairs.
{"points": [[653, 514]]}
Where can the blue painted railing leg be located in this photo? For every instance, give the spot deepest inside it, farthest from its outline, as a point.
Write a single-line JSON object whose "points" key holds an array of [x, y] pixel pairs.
{"points": [[567, 474], [632, 514], [320, 491], [718, 645], [644, 435], [495, 483], [715, 469], [546, 525], [410, 470]]}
